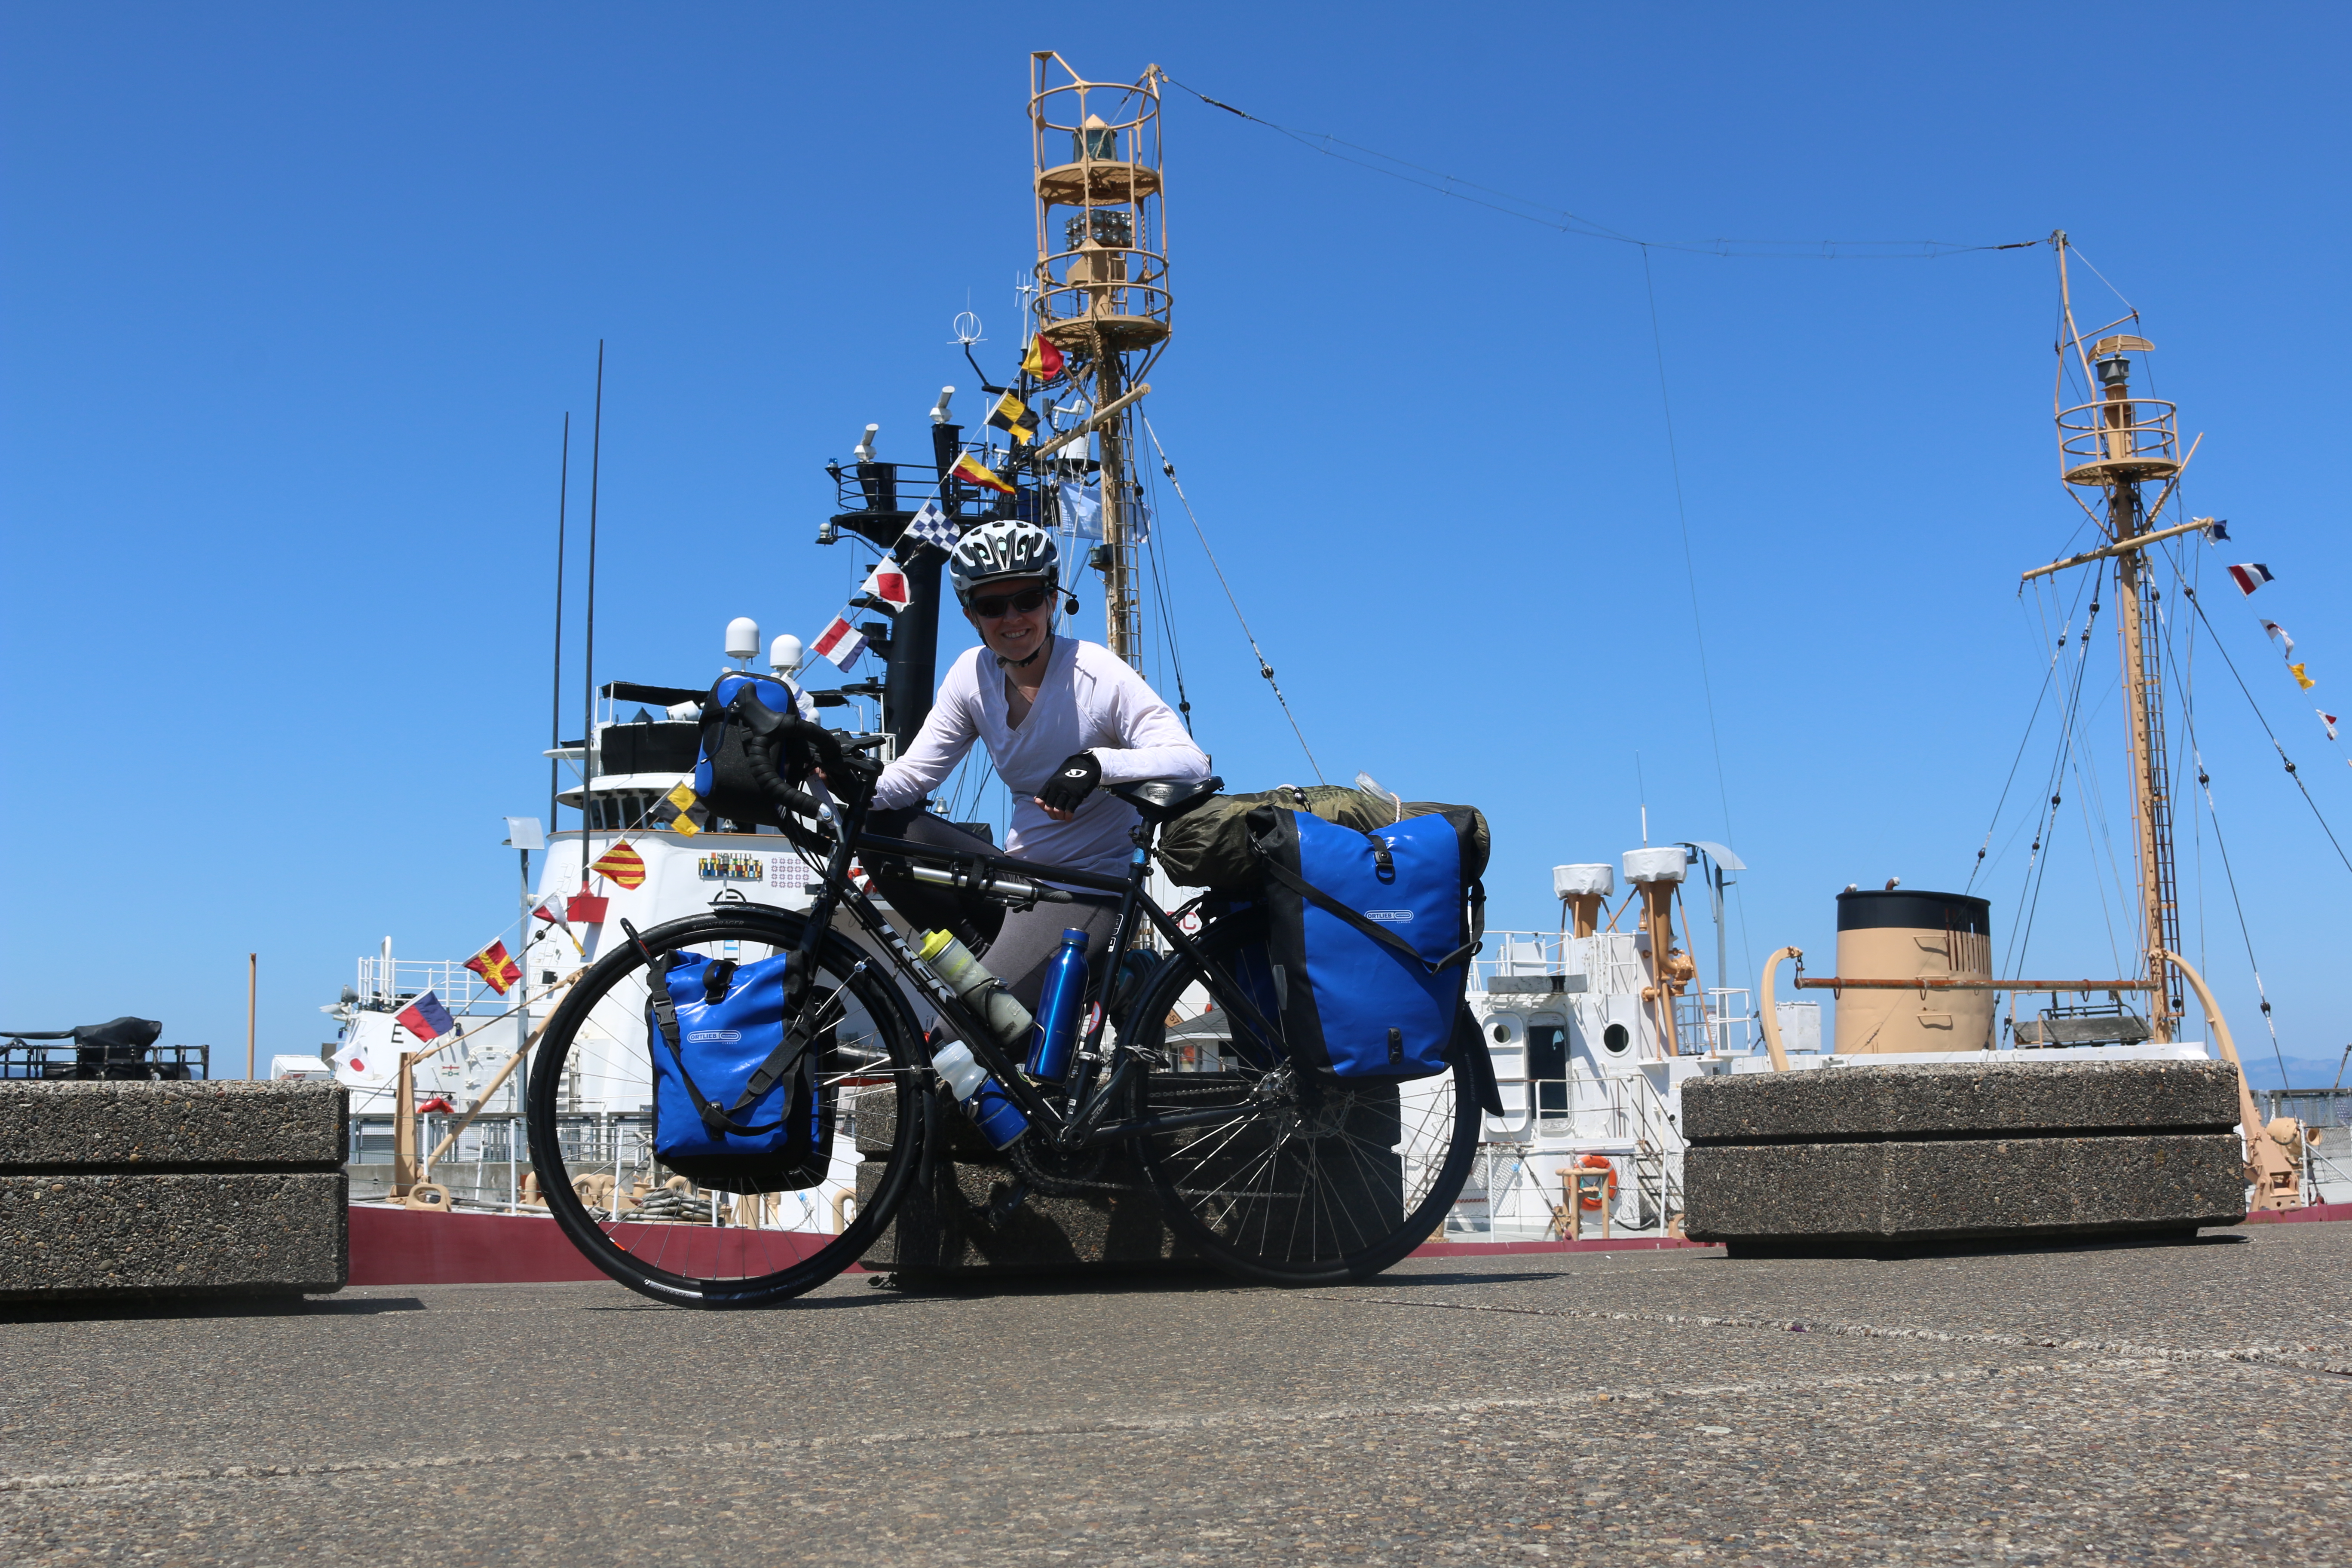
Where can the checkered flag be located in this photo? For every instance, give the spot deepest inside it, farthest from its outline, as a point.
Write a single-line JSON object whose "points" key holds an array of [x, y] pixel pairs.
{"points": [[931, 526]]}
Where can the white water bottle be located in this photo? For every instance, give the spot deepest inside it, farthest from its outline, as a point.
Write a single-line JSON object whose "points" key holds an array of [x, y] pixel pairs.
{"points": [[982, 1097]]}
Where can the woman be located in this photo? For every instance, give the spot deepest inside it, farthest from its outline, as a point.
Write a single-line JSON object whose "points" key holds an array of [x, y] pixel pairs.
{"points": [[1060, 718]]}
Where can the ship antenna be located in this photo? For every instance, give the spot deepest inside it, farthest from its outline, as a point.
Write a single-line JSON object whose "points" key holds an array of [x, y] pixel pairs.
{"points": [[555, 703], [588, 656]]}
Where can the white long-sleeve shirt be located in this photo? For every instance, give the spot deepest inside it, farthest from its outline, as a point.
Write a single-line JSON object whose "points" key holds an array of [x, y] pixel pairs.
{"points": [[1091, 702]]}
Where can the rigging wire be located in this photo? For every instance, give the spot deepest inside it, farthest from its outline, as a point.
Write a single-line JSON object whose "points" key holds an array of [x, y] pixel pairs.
{"points": [[2205, 784], [2037, 865], [2199, 605], [1263, 668], [1566, 222], [2049, 678], [1690, 576]]}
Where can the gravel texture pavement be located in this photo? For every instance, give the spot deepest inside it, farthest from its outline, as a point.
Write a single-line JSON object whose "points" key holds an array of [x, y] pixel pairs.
{"points": [[2184, 1403]]}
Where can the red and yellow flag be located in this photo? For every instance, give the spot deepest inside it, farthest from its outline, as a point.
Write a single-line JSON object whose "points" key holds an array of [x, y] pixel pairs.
{"points": [[973, 471], [1043, 361], [623, 864], [495, 966]]}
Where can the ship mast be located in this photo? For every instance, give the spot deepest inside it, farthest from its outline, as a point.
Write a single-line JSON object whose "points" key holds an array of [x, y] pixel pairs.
{"points": [[1101, 283], [2109, 448]]}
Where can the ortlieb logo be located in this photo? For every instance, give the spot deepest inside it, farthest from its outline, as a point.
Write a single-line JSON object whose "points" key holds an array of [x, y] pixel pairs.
{"points": [[1393, 916], [714, 1036]]}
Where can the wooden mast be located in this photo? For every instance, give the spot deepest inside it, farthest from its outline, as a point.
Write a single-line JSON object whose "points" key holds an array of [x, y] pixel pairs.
{"points": [[1101, 284], [2113, 446]]}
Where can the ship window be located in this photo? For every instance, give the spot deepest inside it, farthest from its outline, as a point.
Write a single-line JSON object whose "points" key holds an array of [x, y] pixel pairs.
{"points": [[1615, 1038]]}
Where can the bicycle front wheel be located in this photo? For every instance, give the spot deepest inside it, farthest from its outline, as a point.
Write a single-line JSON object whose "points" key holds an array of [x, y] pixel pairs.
{"points": [[1302, 1180], [658, 1232]]}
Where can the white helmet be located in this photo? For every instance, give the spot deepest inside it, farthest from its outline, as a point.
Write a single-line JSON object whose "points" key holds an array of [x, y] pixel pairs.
{"points": [[1006, 548]]}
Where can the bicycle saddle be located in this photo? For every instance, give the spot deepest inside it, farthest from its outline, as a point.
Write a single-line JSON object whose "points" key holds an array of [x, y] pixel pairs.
{"points": [[1164, 800]]}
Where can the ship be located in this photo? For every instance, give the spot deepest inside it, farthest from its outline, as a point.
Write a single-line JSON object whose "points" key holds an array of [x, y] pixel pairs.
{"points": [[1593, 1028]]}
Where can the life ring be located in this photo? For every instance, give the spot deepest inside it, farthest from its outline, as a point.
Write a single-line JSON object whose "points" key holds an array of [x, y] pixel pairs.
{"points": [[1598, 1163]]}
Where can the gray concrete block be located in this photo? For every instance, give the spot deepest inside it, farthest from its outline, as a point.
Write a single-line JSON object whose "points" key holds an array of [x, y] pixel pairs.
{"points": [[68, 1237], [1960, 1188], [1960, 1099], [172, 1126], [950, 1226]]}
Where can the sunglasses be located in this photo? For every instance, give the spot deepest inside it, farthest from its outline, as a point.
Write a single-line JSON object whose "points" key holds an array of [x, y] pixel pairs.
{"points": [[993, 606]]}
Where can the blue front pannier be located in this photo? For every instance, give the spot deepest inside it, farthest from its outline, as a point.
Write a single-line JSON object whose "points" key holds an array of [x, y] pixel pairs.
{"points": [[734, 1108], [1371, 935]]}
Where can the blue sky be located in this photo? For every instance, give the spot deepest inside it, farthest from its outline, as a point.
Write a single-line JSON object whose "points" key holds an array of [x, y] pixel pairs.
{"points": [[295, 300]]}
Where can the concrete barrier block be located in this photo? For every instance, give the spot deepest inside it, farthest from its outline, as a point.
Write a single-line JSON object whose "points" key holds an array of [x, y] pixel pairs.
{"points": [[953, 1226], [1960, 1099], [50, 1124], [66, 1236]]}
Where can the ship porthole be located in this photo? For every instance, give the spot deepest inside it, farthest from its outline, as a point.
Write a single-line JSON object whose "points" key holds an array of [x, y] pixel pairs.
{"points": [[1614, 1039]]}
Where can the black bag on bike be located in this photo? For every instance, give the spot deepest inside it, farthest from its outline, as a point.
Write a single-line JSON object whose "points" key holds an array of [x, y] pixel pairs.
{"points": [[737, 1106], [722, 772], [1370, 937]]}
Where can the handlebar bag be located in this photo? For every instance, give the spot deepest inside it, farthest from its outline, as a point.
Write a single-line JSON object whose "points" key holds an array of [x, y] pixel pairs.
{"points": [[1380, 926], [723, 773], [717, 1031]]}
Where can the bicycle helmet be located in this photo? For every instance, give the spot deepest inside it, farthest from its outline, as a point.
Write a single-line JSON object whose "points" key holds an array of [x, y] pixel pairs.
{"points": [[1006, 548]]}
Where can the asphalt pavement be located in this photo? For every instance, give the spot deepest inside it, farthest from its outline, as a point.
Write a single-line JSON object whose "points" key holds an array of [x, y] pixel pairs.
{"points": [[2181, 1403]]}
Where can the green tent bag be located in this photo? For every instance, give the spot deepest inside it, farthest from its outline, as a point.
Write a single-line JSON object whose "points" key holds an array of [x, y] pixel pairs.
{"points": [[1209, 847]]}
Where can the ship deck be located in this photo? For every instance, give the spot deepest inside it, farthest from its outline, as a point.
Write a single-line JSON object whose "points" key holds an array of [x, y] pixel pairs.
{"points": [[2092, 1405]]}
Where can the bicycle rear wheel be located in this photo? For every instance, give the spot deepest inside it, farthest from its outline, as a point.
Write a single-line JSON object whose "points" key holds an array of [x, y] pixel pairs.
{"points": [[1306, 1181], [591, 1131]]}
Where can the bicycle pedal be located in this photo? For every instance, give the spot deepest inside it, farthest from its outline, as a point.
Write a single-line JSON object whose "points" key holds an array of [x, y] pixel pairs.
{"points": [[1001, 1209]]}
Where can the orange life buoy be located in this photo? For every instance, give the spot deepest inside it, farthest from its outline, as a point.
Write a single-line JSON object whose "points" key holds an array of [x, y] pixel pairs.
{"points": [[1598, 1163]]}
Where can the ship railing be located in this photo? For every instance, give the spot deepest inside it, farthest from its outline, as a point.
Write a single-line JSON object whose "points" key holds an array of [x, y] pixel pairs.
{"points": [[24, 1058], [2137, 428], [387, 987], [1515, 952]]}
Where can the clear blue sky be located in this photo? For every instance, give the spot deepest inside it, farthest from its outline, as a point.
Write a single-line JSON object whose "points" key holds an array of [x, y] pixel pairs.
{"points": [[295, 298]]}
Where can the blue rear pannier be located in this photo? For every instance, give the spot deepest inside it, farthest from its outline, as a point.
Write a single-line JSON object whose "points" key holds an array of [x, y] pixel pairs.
{"points": [[726, 1029], [1371, 935]]}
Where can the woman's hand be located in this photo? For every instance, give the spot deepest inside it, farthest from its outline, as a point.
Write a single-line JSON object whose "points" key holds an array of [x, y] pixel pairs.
{"points": [[1071, 783]]}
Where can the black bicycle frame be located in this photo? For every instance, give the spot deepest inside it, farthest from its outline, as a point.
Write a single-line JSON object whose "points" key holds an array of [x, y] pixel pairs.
{"points": [[1082, 1127]]}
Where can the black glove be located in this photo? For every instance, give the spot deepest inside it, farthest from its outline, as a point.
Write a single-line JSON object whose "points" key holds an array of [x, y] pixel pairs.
{"points": [[1072, 782]]}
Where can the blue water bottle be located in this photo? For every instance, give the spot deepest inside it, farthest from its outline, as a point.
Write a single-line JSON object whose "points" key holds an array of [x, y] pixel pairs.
{"points": [[1058, 1003]]}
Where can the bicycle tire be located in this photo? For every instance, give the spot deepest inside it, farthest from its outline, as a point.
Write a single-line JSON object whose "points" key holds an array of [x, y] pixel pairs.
{"points": [[1302, 1185], [723, 1266]]}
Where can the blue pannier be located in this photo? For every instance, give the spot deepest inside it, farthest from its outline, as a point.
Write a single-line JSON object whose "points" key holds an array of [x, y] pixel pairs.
{"points": [[1371, 935], [736, 1106]]}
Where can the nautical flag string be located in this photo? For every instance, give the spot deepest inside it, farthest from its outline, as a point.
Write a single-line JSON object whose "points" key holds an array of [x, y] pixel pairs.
{"points": [[681, 810], [841, 643], [2249, 575], [495, 966], [1043, 359], [931, 526], [1012, 415], [622, 865], [2327, 719], [887, 585], [426, 1017], [2277, 634], [973, 470]]}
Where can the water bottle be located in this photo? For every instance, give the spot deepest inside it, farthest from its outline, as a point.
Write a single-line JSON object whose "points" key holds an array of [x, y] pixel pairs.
{"points": [[952, 962], [1058, 1009], [982, 1097]]}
